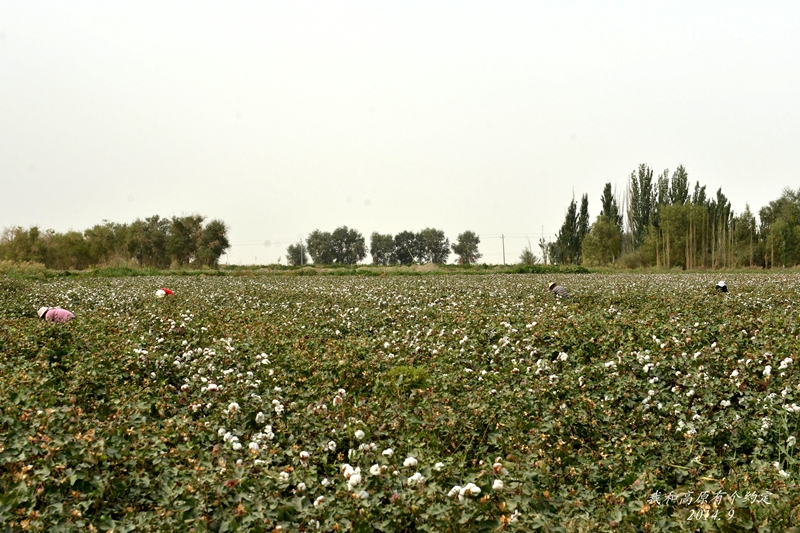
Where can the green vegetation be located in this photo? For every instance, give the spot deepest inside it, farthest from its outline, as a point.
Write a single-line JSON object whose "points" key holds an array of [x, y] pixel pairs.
{"points": [[440, 403], [667, 227], [155, 242]]}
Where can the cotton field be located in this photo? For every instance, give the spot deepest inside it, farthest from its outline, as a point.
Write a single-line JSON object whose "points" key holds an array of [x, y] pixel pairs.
{"points": [[405, 403]]}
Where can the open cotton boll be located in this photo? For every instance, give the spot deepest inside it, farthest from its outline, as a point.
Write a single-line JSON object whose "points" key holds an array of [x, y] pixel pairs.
{"points": [[410, 462]]}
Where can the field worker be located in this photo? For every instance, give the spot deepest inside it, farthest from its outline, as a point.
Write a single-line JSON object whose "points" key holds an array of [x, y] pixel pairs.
{"points": [[721, 287], [55, 314], [558, 291], [164, 292]]}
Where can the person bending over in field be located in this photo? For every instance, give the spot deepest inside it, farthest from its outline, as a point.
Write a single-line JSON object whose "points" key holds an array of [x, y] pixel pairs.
{"points": [[558, 291], [721, 287], [55, 314]]}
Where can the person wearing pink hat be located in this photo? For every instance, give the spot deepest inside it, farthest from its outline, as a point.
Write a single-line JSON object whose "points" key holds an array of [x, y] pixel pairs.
{"points": [[55, 314]]}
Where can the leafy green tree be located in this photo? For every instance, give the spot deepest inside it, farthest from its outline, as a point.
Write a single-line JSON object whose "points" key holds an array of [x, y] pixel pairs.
{"points": [[527, 257], [699, 194], [679, 189], [565, 251], [348, 246], [185, 238], [610, 208], [382, 249], [213, 243], [642, 202], [434, 247], [602, 245], [296, 254], [406, 247], [103, 242], [148, 241], [467, 248], [583, 227], [18, 244], [320, 247], [749, 251], [781, 226]]}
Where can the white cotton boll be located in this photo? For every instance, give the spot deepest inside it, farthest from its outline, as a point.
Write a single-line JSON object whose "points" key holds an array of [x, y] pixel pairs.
{"points": [[454, 491], [319, 501], [410, 462], [325, 482], [416, 479], [284, 476], [497, 485], [221, 432], [388, 452], [237, 446], [470, 489], [438, 466], [301, 487], [260, 418], [363, 495], [375, 470], [354, 480], [331, 446], [791, 441], [360, 434], [227, 436], [253, 447], [725, 403], [233, 407], [767, 370], [304, 456]]}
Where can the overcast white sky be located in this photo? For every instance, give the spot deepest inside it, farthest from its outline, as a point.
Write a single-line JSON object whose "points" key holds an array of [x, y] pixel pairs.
{"points": [[283, 117]]}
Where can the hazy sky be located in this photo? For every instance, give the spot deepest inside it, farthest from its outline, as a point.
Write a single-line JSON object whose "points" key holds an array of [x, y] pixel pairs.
{"points": [[283, 117]]}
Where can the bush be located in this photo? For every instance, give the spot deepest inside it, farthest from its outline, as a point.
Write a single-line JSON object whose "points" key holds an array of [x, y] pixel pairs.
{"points": [[25, 269]]}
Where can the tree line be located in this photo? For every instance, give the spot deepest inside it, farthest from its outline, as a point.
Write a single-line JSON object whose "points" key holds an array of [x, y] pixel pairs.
{"points": [[347, 246], [663, 222], [153, 242]]}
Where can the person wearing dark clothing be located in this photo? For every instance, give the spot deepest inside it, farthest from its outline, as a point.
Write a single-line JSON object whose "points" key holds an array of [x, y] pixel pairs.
{"points": [[558, 291]]}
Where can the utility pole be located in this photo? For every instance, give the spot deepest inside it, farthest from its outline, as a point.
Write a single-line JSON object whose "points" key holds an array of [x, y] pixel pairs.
{"points": [[503, 238]]}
